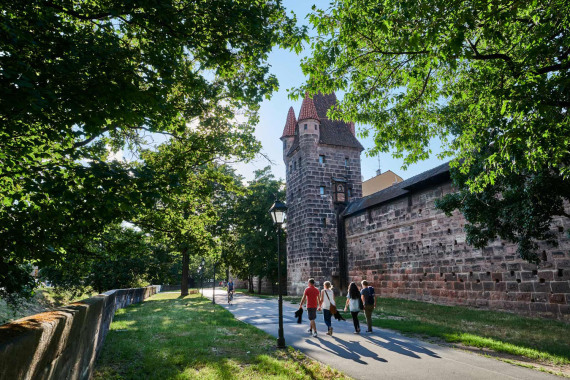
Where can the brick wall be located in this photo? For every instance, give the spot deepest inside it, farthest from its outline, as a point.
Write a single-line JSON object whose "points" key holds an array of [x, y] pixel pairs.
{"points": [[408, 249]]}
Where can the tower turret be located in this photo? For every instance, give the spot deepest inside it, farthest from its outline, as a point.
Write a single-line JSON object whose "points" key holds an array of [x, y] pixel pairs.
{"points": [[288, 132], [323, 174]]}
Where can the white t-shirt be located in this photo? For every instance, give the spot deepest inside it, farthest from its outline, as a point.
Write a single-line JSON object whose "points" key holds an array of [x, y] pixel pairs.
{"points": [[328, 300], [353, 304]]}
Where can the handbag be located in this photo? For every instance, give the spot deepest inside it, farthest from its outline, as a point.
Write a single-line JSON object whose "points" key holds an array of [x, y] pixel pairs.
{"points": [[332, 308]]}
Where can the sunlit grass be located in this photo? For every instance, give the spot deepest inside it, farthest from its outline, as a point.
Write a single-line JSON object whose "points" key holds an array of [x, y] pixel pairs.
{"points": [[168, 337]]}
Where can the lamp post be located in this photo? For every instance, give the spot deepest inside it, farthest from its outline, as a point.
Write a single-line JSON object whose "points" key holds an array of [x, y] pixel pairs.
{"points": [[202, 266], [277, 212]]}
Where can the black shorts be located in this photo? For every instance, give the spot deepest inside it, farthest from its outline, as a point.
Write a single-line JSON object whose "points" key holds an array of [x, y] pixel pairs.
{"points": [[312, 313]]}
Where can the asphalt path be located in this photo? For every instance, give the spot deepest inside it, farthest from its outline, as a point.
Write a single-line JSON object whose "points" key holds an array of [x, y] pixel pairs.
{"points": [[383, 354]]}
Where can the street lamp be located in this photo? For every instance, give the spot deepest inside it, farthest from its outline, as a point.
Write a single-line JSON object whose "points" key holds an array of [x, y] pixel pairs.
{"points": [[277, 212], [202, 266]]}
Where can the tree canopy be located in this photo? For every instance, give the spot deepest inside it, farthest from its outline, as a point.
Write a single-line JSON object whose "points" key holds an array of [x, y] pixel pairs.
{"points": [[489, 79], [80, 81]]}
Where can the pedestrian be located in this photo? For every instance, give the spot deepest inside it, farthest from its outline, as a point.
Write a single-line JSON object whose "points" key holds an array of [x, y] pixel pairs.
{"points": [[369, 300], [312, 296], [328, 305], [353, 302]]}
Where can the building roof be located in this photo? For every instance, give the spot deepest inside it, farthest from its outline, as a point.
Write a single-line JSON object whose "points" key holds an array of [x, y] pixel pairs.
{"points": [[289, 129], [308, 110], [332, 132], [380, 182], [428, 178]]}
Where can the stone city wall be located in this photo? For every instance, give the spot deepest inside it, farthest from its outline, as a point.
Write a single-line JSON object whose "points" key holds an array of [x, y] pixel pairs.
{"points": [[408, 249], [63, 343]]}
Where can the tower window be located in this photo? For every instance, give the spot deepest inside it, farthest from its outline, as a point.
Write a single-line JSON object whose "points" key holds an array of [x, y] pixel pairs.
{"points": [[294, 165], [322, 190], [305, 127], [290, 168], [322, 159], [349, 192], [346, 162], [316, 128], [300, 163], [324, 222]]}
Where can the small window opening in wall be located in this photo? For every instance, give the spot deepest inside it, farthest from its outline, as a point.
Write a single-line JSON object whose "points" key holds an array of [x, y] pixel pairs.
{"points": [[369, 215], [544, 257], [560, 272], [560, 229], [497, 280], [519, 280], [425, 274], [322, 190], [470, 273], [440, 274], [512, 273], [420, 212], [453, 274], [305, 127], [294, 165], [346, 162], [349, 192], [455, 242], [421, 280], [542, 280], [478, 281], [322, 159], [316, 128], [324, 222], [534, 272], [422, 236], [449, 231]]}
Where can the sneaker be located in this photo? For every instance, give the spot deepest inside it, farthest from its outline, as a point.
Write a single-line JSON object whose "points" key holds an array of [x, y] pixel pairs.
{"points": [[310, 331], [368, 331], [314, 334]]}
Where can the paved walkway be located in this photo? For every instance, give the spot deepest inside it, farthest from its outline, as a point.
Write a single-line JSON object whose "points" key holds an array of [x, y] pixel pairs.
{"points": [[383, 354]]}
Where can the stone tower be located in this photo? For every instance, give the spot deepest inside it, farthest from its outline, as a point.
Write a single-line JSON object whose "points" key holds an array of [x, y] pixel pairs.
{"points": [[322, 159]]}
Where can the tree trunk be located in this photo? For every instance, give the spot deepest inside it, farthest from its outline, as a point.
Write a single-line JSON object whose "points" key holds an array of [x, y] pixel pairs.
{"points": [[250, 284], [184, 284], [259, 285]]}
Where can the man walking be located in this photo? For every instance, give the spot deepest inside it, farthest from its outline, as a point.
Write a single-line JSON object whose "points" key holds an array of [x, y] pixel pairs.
{"points": [[369, 301], [312, 295]]}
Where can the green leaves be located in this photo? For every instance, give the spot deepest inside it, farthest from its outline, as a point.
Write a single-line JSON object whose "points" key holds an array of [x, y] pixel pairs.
{"points": [[473, 75], [82, 80]]}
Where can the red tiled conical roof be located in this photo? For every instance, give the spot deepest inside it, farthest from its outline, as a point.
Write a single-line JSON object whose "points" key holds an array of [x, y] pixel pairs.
{"points": [[289, 129], [308, 110]]}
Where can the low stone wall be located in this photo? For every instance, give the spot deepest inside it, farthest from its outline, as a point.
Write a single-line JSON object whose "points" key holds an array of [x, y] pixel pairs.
{"points": [[63, 343]]}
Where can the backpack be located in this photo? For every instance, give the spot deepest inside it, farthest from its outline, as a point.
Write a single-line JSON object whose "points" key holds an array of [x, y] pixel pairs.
{"points": [[370, 298]]}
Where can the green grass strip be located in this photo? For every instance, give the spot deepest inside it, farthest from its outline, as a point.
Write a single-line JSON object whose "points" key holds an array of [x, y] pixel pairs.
{"points": [[170, 337]]}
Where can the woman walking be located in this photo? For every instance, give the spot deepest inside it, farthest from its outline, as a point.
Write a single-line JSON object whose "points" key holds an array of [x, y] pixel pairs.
{"points": [[327, 303], [353, 303]]}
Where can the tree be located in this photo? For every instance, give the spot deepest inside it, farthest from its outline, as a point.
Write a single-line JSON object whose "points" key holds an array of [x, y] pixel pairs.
{"points": [[82, 80], [489, 79], [119, 258], [256, 236]]}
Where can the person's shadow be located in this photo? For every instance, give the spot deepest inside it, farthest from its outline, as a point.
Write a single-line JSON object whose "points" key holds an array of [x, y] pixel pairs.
{"points": [[347, 349], [400, 346]]}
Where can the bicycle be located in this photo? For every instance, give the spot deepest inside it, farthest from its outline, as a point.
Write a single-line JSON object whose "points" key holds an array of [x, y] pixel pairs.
{"points": [[230, 296]]}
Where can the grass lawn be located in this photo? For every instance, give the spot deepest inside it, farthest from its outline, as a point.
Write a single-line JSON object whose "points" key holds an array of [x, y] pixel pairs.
{"points": [[169, 337], [533, 338]]}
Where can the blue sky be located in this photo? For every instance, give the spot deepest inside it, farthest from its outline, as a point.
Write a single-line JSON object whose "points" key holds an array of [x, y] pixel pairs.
{"points": [[273, 113]]}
